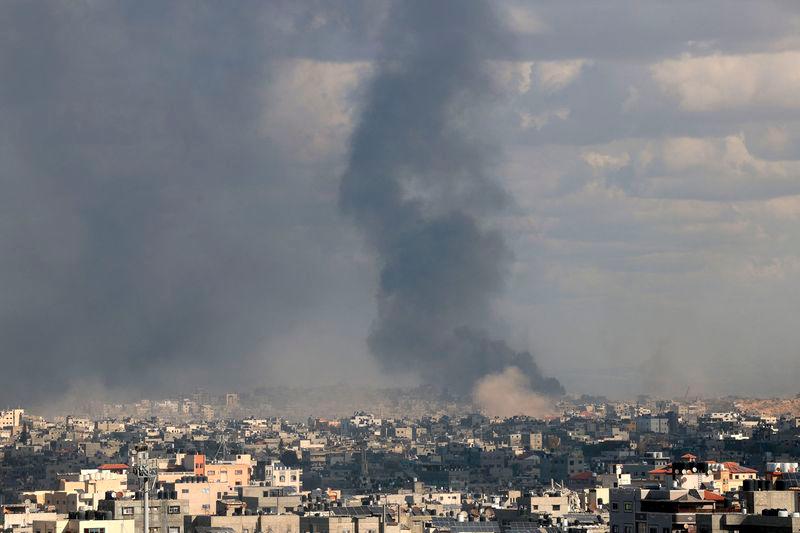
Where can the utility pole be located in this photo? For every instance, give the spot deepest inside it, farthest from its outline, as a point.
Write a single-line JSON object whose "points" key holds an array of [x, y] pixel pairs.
{"points": [[146, 471]]}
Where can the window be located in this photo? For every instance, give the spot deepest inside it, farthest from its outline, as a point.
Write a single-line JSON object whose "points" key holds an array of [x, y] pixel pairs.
{"points": [[614, 529], [206, 506], [238, 472], [653, 530], [294, 478], [126, 511], [174, 509], [211, 472], [184, 491], [266, 493], [614, 506], [666, 530], [628, 529], [628, 506], [94, 530], [556, 507], [535, 507], [283, 478], [174, 529]]}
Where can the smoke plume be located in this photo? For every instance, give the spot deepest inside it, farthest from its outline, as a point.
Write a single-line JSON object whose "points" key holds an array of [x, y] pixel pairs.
{"points": [[508, 393], [419, 185], [150, 229]]}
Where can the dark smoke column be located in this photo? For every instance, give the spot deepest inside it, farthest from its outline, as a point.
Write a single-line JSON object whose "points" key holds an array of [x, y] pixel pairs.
{"points": [[418, 185]]}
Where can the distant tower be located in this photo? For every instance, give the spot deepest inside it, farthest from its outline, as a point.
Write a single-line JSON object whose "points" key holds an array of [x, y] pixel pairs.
{"points": [[231, 400]]}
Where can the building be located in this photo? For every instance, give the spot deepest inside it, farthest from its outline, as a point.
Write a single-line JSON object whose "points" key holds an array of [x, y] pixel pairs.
{"points": [[199, 495], [11, 419], [555, 503], [77, 525], [659, 510], [747, 523], [276, 474], [169, 512], [273, 500], [231, 473], [652, 424]]}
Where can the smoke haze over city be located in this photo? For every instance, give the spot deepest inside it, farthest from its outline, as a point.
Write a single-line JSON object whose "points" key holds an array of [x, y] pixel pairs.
{"points": [[494, 197]]}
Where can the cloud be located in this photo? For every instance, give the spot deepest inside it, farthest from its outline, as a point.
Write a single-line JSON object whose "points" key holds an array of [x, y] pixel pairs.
{"points": [[717, 82], [552, 76], [601, 161], [540, 120], [521, 19]]}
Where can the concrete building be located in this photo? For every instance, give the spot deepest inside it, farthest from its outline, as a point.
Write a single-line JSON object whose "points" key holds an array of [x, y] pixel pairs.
{"points": [[274, 500], [747, 523], [11, 419], [19, 518], [166, 515], [276, 474], [652, 424], [285, 523], [340, 524], [533, 441], [659, 510], [554, 503], [199, 495], [75, 525], [231, 473]]}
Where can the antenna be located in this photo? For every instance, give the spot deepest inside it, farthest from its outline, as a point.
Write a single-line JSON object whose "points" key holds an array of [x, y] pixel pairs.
{"points": [[145, 470], [223, 452]]}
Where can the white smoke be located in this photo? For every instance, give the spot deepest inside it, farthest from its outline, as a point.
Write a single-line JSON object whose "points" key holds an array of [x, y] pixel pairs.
{"points": [[508, 393]]}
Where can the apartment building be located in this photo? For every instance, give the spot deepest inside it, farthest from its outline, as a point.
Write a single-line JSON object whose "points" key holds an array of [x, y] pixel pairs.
{"points": [[232, 473]]}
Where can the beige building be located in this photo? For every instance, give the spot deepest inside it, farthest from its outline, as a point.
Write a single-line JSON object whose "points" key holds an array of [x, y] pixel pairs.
{"points": [[83, 526], [11, 419], [19, 518], [340, 524], [231, 473], [285, 523], [556, 504], [199, 496], [81, 491]]}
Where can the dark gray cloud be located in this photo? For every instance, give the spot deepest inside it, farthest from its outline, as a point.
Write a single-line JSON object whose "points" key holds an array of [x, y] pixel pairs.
{"points": [[153, 237], [421, 184]]}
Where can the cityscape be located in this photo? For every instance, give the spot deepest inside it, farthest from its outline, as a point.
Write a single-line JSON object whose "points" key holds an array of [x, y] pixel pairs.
{"points": [[399, 266], [420, 460]]}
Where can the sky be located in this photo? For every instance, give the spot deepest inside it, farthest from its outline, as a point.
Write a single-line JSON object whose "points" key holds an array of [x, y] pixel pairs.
{"points": [[172, 214]]}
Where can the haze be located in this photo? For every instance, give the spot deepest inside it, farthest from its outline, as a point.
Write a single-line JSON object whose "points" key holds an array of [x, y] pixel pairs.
{"points": [[188, 196]]}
